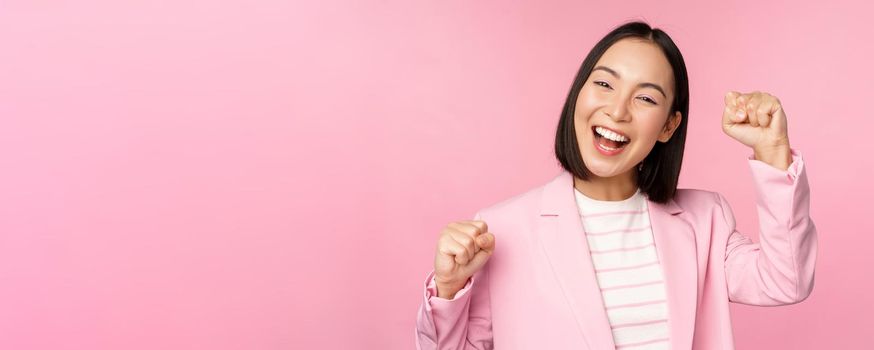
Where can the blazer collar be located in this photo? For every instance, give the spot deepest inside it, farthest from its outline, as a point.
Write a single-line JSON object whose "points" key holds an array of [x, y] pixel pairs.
{"points": [[561, 232]]}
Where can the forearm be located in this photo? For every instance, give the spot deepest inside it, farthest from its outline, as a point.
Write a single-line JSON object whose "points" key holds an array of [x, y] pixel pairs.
{"points": [[779, 269]]}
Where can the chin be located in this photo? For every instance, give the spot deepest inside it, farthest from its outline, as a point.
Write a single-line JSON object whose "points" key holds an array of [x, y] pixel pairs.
{"points": [[603, 170], [604, 174]]}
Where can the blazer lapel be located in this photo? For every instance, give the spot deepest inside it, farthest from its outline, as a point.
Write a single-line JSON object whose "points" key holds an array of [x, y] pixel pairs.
{"points": [[677, 252], [560, 231]]}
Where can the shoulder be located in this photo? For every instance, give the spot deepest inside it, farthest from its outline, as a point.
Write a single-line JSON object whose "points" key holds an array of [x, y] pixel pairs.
{"points": [[528, 203], [696, 200], [518, 205], [686, 197], [516, 214]]}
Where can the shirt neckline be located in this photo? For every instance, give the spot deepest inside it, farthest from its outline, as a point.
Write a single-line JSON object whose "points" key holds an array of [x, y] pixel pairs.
{"points": [[630, 201]]}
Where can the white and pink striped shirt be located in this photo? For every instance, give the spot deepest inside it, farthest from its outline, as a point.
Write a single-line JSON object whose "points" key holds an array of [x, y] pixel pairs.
{"points": [[628, 270]]}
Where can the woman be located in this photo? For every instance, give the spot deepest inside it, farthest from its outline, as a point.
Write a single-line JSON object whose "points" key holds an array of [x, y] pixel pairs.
{"points": [[610, 254]]}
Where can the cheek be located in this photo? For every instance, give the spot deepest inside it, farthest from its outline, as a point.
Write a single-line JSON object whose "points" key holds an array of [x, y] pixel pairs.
{"points": [[587, 100], [649, 126], [582, 112]]}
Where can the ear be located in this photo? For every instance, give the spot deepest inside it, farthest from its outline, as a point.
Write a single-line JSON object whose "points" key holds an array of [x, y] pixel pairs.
{"points": [[670, 126]]}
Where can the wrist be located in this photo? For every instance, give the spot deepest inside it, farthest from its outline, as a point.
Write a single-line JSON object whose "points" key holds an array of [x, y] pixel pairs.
{"points": [[448, 290], [778, 156]]}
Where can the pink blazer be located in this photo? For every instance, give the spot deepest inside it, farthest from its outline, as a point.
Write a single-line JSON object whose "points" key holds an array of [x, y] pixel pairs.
{"points": [[538, 290]]}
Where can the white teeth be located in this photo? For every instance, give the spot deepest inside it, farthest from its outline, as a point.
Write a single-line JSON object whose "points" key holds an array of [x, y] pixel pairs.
{"points": [[610, 135], [607, 148]]}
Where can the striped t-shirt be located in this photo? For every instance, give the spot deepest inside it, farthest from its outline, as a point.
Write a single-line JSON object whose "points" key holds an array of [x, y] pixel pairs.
{"points": [[628, 270]]}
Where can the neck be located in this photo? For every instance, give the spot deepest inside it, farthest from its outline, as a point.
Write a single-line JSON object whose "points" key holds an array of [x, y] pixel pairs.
{"points": [[614, 188]]}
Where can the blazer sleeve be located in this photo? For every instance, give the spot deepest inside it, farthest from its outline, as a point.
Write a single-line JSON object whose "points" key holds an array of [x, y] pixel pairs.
{"points": [[779, 269], [464, 322]]}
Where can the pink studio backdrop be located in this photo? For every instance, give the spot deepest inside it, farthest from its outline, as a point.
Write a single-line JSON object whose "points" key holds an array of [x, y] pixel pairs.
{"points": [[274, 175]]}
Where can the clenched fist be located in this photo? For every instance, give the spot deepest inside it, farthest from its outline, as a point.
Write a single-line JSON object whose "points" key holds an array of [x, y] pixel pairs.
{"points": [[462, 249], [758, 121]]}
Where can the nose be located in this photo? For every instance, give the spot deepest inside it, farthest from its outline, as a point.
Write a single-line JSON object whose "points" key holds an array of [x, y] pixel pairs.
{"points": [[617, 109]]}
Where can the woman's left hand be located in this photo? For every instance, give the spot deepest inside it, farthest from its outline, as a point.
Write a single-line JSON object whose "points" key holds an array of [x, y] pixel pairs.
{"points": [[757, 120]]}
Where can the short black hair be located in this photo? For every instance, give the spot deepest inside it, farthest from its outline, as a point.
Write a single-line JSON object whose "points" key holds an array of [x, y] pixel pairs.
{"points": [[661, 168]]}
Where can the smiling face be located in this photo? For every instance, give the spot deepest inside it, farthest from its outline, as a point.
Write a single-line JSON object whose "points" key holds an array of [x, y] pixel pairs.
{"points": [[627, 97]]}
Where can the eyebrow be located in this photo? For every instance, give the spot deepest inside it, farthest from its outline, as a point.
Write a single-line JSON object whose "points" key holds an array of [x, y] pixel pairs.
{"points": [[644, 84]]}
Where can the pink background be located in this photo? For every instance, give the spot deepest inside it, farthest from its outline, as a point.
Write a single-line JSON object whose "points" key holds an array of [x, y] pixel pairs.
{"points": [[269, 175]]}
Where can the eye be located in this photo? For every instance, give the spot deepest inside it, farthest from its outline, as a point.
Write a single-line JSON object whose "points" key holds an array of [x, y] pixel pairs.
{"points": [[601, 83], [647, 99]]}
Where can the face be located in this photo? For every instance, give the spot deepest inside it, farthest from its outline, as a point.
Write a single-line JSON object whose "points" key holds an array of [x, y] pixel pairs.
{"points": [[628, 97]]}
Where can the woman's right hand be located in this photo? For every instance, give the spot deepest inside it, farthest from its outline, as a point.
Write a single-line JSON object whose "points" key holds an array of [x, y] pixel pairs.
{"points": [[462, 249]]}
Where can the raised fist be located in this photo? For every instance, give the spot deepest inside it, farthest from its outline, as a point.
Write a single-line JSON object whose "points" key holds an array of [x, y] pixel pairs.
{"points": [[462, 249]]}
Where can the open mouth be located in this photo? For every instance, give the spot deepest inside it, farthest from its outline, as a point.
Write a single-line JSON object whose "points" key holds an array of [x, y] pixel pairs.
{"points": [[609, 141]]}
